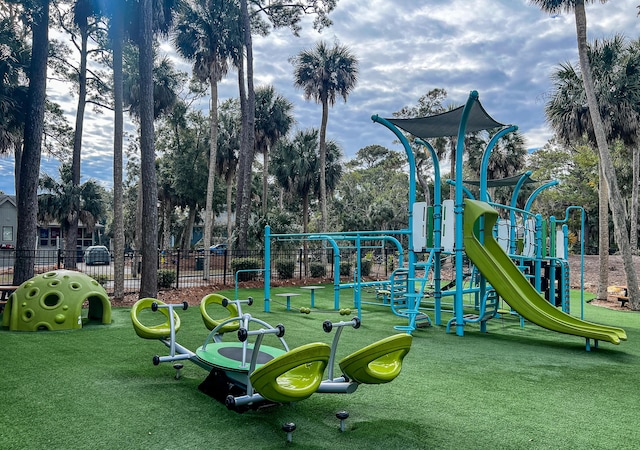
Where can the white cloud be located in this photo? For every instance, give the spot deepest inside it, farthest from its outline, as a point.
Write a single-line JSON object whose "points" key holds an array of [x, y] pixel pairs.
{"points": [[504, 49]]}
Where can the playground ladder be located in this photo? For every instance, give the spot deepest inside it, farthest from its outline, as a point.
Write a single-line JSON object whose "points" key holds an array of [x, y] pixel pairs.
{"points": [[405, 303], [399, 282], [488, 309], [565, 288]]}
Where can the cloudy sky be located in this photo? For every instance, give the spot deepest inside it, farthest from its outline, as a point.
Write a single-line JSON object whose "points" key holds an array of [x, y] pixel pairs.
{"points": [[504, 49]]}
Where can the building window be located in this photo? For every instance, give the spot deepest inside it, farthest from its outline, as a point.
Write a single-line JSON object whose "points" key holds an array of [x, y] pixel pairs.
{"points": [[7, 233]]}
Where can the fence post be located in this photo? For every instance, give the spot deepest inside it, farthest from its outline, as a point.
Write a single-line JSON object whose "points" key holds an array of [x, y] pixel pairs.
{"points": [[386, 264], [178, 269], [300, 261], [224, 269]]}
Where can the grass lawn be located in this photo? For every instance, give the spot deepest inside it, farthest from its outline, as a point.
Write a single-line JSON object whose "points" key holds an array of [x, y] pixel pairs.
{"points": [[513, 388]]}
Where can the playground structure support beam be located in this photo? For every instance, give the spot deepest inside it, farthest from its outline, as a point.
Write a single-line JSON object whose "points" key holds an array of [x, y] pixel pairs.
{"points": [[458, 210]]}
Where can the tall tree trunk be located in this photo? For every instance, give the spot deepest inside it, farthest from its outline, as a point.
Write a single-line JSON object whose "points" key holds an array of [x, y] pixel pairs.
{"points": [[603, 236], [265, 179], [633, 216], [187, 235], [27, 192], [71, 238], [617, 205], [229, 209], [243, 156], [424, 184], [250, 113], [323, 163], [16, 167], [149, 277], [305, 229], [118, 133], [213, 150], [166, 222]]}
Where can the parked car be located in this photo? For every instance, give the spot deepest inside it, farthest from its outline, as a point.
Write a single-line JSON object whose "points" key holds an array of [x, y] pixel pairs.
{"points": [[218, 249], [97, 254]]}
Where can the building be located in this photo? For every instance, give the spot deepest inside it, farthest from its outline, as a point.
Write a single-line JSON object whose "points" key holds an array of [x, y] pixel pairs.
{"points": [[8, 221], [49, 235]]}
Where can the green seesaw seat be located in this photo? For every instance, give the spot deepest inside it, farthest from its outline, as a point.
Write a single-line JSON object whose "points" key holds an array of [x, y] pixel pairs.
{"points": [[211, 323], [160, 331], [379, 362], [293, 376]]}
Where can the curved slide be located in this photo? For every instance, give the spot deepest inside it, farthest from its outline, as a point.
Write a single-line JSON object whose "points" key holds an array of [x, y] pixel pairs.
{"points": [[505, 277]]}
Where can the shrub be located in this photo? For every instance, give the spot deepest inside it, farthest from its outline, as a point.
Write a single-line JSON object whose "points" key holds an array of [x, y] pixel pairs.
{"points": [[345, 269], [285, 269], [101, 279], [365, 267], [166, 278], [245, 264], [317, 270], [391, 262]]}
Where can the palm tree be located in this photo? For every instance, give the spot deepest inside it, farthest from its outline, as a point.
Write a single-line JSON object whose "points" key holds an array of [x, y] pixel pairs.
{"points": [[279, 14], [228, 150], [571, 121], [27, 191], [507, 159], [203, 35], [149, 191], [324, 73], [124, 17], [65, 201], [247, 135], [606, 162], [115, 10], [165, 83], [13, 93], [86, 24], [273, 120], [296, 166], [616, 76]]}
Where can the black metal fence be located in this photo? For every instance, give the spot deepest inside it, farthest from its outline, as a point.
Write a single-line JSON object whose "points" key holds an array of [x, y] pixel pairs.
{"points": [[181, 269]]}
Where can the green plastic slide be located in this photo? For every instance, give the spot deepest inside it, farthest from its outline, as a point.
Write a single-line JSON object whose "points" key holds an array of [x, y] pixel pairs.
{"points": [[505, 277]]}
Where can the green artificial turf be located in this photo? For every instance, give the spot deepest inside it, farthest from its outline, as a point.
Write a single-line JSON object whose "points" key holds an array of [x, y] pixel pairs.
{"points": [[511, 388]]}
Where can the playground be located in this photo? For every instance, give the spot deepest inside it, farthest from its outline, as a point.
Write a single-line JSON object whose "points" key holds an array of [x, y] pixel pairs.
{"points": [[477, 339], [510, 388]]}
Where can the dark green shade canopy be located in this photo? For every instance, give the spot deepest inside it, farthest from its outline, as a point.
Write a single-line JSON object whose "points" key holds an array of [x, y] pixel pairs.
{"points": [[447, 123]]}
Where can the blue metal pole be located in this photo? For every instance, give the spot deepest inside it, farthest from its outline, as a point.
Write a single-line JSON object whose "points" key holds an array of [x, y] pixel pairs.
{"points": [[534, 194], [538, 257], [458, 210], [512, 213], [516, 190], [484, 163]]}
